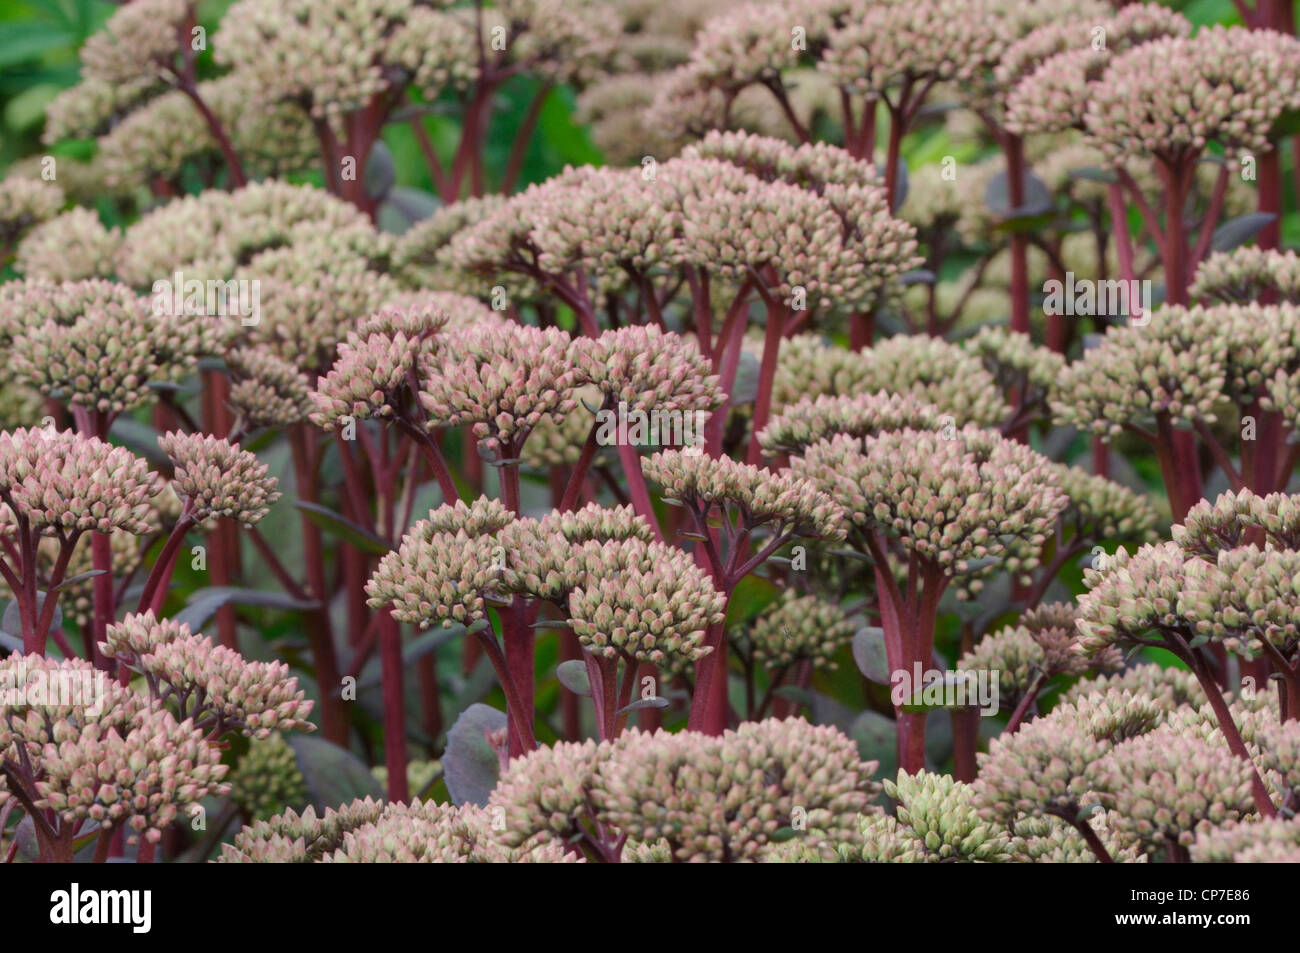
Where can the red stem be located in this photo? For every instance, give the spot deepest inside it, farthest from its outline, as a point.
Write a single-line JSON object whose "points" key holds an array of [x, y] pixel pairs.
{"points": [[334, 717], [519, 148], [1263, 803], [636, 486], [1269, 170], [776, 317], [1013, 150], [392, 671]]}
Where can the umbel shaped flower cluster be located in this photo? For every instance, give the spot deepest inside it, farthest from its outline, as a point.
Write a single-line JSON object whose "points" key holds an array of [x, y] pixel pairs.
{"points": [[687, 797]]}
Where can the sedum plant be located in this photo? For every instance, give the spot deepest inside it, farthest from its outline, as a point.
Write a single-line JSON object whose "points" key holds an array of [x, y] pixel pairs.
{"points": [[626, 430]]}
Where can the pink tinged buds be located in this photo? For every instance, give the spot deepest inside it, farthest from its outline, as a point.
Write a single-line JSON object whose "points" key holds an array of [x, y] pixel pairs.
{"points": [[216, 478]]}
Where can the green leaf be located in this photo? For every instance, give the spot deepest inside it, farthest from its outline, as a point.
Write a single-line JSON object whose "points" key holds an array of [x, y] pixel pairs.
{"points": [[901, 184], [869, 653], [380, 174], [1287, 124], [745, 388], [877, 740], [851, 554], [202, 605], [25, 40], [794, 693], [1094, 174], [570, 141], [333, 775], [27, 109], [25, 837], [573, 676], [654, 701], [11, 621], [751, 596], [1238, 231], [1037, 198], [470, 763], [79, 577], [1087, 812], [550, 624], [344, 528], [918, 703], [1026, 223], [138, 438], [918, 276], [403, 206]]}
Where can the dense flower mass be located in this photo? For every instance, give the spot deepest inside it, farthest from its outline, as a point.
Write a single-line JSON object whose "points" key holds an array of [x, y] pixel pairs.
{"points": [[215, 478], [650, 431]]}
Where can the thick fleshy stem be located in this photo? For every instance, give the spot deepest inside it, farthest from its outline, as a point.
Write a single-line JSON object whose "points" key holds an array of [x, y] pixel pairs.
{"points": [[519, 728], [1090, 838], [432, 455], [1269, 171], [45, 618], [580, 469], [520, 653], [710, 682], [334, 717], [1014, 152], [965, 725], [392, 672], [1022, 709], [23, 587], [776, 319], [602, 675], [1259, 791], [636, 486], [161, 573], [223, 542], [101, 554]]}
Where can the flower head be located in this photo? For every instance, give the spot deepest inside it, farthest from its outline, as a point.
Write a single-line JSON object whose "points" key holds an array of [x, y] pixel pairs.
{"points": [[937, 822], [1248, 274], [62, 482], [444, 567], [1275, 841], [1046, 768], [216, 478], [212, 685], [1164, 784], [724, 799], [143, 775], [25, 202], [268, 780], [810, 421], [266, 391], [655, 614], [99, 345], [648, 370], [799, 627], [964, 503], [68, 247], [1171, 96], [377, 366], [501, 381]]}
